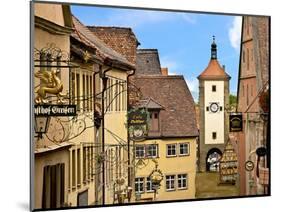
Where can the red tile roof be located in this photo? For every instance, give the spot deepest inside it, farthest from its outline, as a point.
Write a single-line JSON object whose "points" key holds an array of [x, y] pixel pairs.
{"points": [[177, 118], [84, 35], [214, 71]]}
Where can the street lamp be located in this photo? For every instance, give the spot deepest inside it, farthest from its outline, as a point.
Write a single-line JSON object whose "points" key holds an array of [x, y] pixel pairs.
{"points": [[129, 193], [124, 194], [156, 177], [41, 125]]}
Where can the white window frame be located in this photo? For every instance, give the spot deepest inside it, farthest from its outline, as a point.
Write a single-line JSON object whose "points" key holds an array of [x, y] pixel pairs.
{"points": [[167, 152], [187, 149], [181, 179], [138, 182], [142, 146], [169, 179], [148, 188], [154, 150]]}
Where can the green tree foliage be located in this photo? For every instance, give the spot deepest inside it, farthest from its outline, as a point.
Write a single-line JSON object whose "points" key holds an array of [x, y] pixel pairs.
{"points": [[232, 100]]}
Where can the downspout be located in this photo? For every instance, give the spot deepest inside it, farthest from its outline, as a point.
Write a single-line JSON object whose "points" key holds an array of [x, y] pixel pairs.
{"points": [[96, 140], [128, 138], [102, 76]]}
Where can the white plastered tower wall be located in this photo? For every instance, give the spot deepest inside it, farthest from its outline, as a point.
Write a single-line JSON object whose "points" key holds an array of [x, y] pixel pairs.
{"points": [[214, 122]]}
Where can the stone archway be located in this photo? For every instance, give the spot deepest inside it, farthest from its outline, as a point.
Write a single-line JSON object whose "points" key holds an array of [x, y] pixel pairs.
{"points": [[212, 160]]}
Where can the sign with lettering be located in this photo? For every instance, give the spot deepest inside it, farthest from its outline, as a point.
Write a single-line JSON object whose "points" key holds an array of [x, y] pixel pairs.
{"points": [[55, 110], [235, 122], [137, 123], [137, 118]]}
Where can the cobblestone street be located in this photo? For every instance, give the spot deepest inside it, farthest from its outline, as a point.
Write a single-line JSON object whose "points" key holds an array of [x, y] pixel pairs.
{"points": [[207, 186]]}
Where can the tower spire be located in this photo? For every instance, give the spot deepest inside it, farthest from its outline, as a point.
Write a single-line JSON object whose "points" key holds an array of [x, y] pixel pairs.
{"points": [[214, 49]]}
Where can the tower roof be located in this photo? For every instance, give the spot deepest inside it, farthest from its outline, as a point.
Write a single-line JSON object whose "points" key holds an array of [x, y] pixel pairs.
{"points": [[214, 70]]}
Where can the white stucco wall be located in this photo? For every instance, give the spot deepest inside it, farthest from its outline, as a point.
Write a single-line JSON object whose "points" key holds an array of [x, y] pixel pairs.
{"points": [[214, 122]]}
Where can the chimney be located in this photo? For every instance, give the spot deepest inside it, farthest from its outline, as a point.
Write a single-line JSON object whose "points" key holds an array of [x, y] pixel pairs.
{"points": [[164, 71]]}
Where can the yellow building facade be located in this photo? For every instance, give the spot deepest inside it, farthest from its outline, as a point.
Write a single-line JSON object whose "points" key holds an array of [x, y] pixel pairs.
{"points": [[76, 162], [170, 143], [178, 170], [50, 168]]}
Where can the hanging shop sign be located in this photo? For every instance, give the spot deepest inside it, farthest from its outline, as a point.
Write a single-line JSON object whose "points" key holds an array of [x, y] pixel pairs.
{"points": [[55, 110], [249, 165], [235, 122], [137, 118], [261, 151], [137, 123]]}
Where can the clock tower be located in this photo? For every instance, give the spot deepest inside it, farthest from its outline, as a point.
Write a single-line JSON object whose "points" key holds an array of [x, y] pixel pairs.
{"points": [[213, 121]]}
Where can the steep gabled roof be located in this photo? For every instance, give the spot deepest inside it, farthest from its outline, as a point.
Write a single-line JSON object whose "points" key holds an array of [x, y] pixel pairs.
{"points": [[177, 119], [148, 62], [120, 39], [84, 35], [150, 103]]}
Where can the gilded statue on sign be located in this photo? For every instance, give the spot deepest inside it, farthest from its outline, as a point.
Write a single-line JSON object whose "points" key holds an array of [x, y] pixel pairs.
{"points": [[50, 84]]}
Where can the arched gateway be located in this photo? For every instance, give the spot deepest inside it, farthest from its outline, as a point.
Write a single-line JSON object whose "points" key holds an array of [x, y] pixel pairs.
{"points": [[213, 160]]}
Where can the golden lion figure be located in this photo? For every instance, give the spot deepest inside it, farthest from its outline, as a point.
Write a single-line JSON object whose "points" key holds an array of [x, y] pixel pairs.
{"points": [[50, 84]]}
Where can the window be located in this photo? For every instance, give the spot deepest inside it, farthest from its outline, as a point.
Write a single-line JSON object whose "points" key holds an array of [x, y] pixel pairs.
{"points": [[149, 187], [87, 93], [78, 91], [214, 88], [154, 121], [53, 186], [140, 151], [84, 92], [110, 94], [243, 55], [207, 108], [81, 89], [182, 181], [170, 182], [171, 149], [152, 150], [73, 89], [115, 95], [91, 92], [184, 149], [139, 187], [214, 135], [220, 108]]}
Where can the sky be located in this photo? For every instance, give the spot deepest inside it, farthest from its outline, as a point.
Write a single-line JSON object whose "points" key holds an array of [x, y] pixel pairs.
{"points": [[183, 39]]}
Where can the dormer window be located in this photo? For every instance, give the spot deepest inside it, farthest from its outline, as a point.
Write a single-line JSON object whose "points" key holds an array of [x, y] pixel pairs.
{"points": [[154, 121]]}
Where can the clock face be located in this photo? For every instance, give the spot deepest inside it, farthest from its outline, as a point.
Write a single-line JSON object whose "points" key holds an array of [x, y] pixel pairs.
{"points": [[214, 107], [249, 165]]}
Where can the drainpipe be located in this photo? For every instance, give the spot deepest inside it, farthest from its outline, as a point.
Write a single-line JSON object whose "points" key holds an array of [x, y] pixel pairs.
{"points": [[104, 80], [96, 138], [128, 139]]}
